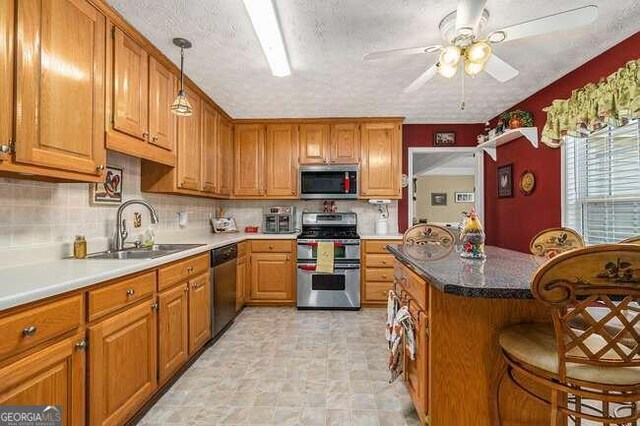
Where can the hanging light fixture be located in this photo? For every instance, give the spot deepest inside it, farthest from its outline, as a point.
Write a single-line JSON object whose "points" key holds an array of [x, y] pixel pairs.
{"points": [[181, 105]]}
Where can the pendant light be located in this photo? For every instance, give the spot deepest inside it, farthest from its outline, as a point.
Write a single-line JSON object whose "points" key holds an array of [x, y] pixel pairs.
{"points": [[181, 105]]}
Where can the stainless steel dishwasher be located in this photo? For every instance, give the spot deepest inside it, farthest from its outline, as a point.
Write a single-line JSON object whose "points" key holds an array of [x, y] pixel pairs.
{"points": [[223, 283]]}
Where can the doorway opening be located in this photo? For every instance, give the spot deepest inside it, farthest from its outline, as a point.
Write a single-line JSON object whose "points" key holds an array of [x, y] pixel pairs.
{"points": [[444, 184]]}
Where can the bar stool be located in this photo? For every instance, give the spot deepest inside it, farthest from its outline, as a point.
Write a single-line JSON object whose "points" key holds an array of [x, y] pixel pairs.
{"points": [[632, 240], [424, 234], [581, 366], [553, 241]]}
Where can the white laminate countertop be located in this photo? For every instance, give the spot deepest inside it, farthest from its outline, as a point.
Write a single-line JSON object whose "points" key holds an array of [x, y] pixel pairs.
{"points": [[30, 283], [381, 237]]}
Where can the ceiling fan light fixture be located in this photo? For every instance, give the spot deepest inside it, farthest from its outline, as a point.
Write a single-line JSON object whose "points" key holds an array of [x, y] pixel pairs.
{"points": [[497, 36], [478, 52], [450, 56], [447, 71], [473, 68], [465, 31]]}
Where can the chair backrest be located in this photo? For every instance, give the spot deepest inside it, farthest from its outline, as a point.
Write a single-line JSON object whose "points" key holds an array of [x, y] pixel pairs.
{"points": [[598, 286], [632, 240], [426, 234], [553, 241]]}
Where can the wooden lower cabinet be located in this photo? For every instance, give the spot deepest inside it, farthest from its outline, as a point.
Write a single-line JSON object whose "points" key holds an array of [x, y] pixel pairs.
{"points": [[416, 370], [272, 273], [122, 364], [199, 312], [173, 330], [241, 278], [377, 271], [54, 375]]}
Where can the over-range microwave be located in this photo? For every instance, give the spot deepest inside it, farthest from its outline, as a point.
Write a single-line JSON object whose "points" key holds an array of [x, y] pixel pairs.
{"points": [[329, 182]]}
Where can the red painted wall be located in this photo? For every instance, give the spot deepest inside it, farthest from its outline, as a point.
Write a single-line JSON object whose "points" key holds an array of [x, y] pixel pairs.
{"points": [[421, 135], [511, 222]]}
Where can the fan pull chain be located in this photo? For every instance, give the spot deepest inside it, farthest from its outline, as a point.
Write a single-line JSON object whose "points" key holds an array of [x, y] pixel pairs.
{"points": [[462, 102]]}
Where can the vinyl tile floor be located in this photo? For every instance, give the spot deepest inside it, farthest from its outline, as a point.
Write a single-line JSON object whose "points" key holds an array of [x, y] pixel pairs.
{"points": [[281, 366]]}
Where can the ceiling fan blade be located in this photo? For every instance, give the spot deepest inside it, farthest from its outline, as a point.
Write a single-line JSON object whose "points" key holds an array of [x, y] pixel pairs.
{"points": [[468, 14], [422, 80], [499, 69], [549, 24], [405, 51]]}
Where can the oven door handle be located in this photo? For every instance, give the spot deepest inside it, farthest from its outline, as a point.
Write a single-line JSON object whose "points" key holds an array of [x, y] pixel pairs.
{"points": [[312, 268]]}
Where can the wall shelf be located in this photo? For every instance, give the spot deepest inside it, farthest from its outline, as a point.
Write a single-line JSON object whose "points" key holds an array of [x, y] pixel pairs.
{"points": [[491, 146]]}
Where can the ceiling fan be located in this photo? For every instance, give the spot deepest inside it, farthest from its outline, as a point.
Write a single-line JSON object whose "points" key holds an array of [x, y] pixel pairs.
{"points": [[467, 45]]}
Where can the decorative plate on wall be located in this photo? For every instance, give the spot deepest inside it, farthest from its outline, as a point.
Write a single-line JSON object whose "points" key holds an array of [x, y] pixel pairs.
{"points": [[527, 182]]}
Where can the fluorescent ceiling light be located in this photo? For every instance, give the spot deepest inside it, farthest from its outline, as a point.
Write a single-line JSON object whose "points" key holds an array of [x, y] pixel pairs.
{"points": [[265, 23]]}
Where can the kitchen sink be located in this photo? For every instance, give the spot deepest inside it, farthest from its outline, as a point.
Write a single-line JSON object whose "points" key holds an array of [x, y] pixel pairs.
{"points": [[157, 250]]}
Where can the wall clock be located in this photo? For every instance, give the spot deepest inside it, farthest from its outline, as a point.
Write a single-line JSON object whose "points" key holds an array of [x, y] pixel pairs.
{"points": [[527, 182]]}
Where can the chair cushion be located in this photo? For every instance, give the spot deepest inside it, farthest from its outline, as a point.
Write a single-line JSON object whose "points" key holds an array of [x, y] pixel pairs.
{"points": [[535, 344]]}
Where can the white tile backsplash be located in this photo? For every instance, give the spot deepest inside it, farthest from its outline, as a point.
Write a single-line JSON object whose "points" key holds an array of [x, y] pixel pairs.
{"points": [[250, 212], [44, 217]]}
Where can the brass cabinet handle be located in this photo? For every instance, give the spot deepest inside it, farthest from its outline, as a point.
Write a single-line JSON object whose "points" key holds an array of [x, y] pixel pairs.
{"points": [[288, 257], [130, 292], [100, 168], [81, 345], [270, 246], [384, 276], [29, 331], [155, 306], [384, 262], [385, 292], [261, 192], [155, 138], [190, 270], [145, 135]]}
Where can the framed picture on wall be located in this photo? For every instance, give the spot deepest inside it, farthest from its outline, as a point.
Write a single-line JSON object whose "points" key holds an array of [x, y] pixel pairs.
{"points": [[505, 181], [109, 191], [444, 138], [465, 197], [438, 198]]}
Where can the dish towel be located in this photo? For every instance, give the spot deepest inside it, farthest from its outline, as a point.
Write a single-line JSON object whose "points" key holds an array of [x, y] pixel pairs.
{"points": [[392, 310], [402, 338], [325, 257]]}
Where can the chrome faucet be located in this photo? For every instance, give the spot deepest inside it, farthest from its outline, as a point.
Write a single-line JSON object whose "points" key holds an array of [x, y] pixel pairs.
{"points": [[121, 224]]}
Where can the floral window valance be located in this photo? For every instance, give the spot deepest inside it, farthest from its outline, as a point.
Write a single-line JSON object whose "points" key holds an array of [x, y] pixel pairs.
{"points": [[612, 102]]}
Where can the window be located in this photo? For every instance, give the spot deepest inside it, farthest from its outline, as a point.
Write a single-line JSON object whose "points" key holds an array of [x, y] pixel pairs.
{"points": [[602, 184]]}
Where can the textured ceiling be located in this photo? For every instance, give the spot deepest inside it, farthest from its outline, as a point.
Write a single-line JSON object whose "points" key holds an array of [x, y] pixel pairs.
{"points": [[326, 40]]}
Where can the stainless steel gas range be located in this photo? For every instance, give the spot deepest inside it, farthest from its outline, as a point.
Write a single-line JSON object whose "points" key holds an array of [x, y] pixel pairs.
{"points": [[337, 290]]}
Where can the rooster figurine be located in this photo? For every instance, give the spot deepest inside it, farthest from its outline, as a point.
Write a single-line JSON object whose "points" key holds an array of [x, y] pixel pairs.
{"points": [[472, 238]]}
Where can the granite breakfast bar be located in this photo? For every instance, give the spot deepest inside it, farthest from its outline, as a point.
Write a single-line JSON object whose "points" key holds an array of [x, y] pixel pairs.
{"points": [[458, 308]]}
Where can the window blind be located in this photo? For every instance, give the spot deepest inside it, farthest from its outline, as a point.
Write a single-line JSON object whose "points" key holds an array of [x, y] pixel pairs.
{"points": [[602, 184]]}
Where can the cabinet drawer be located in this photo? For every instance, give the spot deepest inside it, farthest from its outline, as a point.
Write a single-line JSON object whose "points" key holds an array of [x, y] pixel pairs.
{"points": [[376, 291], [268, 246], [379, 260], [182, 271], [379, 246], [379, 274], [26, 329], [112, 297], [242, 248], [411, 283]]}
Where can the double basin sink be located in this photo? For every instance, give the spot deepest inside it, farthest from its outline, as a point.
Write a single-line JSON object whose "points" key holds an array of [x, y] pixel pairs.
{"points": [[157, 250]]}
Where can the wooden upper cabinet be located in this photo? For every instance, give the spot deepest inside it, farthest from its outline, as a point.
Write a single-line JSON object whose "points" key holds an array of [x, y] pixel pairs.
{"points": [[162, 89], [209, 148], [345, 143], [54, 375], [224, 158], [130, 88], [281, 161], [381, 157], [189, 146], [122, 364], [59, 80], [314, 143], [7, 18], [249, 160]]}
